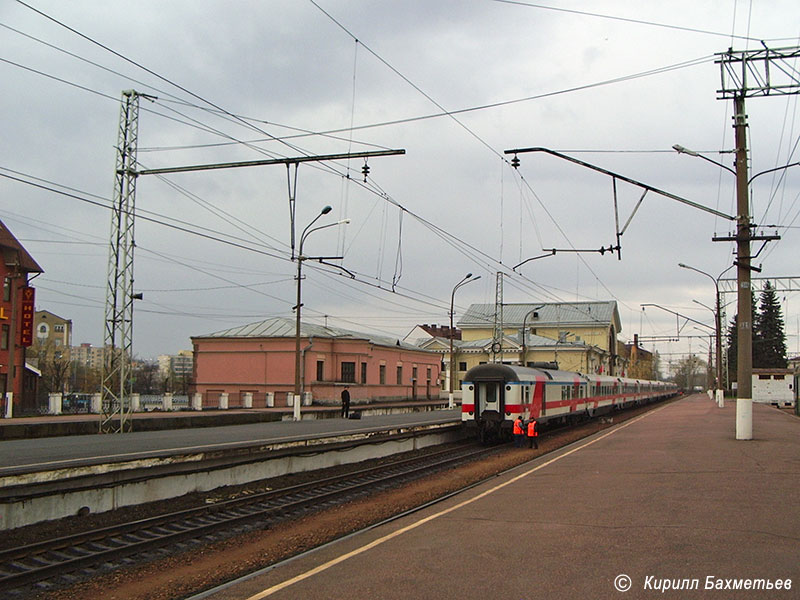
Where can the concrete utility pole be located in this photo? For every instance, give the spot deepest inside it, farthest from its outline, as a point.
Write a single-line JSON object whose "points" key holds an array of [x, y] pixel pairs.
{"points": [[744, 299], [299, 382], [719, 394], [748, 74]]}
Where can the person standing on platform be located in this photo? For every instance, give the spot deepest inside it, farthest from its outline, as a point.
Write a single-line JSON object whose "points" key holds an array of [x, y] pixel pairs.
{"points": [[345, 403], [533, 434], [519, 433]]}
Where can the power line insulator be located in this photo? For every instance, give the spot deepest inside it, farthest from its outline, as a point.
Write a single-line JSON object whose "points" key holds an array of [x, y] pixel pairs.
{"points": [[515, 162], [365, 171]]}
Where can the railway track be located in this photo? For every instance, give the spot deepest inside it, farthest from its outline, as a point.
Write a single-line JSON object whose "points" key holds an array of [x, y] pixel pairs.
{"points": [[67, 559]]}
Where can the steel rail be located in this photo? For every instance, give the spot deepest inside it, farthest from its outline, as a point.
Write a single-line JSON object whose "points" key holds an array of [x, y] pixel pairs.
{"points": [[51, 558]]}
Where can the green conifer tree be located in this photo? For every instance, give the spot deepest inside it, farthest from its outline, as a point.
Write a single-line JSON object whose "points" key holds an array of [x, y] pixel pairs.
{"points": [[769, 338], [733, 341]]}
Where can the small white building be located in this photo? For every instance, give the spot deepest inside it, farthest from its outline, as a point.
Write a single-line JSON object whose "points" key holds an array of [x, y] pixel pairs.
{"points": [[774, 386]]}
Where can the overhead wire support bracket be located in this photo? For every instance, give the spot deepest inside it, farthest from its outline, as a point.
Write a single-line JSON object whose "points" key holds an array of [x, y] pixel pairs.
{"points": [[761, 72], [291, 180], [270, 161], [601, 250], [678, 317], [646, 187], [549, 253]]}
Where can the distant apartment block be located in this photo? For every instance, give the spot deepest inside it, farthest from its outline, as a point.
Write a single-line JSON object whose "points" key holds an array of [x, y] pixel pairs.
{"points": [[87, 355], [179, 365]]}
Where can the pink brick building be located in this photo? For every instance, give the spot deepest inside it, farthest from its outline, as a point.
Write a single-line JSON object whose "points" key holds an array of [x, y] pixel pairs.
{"points": [[259, 358]]}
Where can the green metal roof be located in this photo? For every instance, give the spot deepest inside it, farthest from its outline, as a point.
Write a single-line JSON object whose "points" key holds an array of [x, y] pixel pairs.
{"points": [[557, 314], [282, 327]]}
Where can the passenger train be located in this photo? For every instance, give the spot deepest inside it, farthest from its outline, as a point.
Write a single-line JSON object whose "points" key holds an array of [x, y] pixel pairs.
{"points": [[494, 395]]}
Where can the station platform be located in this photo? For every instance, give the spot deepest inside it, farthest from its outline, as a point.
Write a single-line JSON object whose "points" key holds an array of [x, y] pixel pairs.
{"points": [[88, 424], [666, 505], [53, 477]]}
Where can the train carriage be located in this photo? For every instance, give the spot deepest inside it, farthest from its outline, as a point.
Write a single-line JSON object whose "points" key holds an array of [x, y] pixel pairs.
{"points": [[494, 395]]}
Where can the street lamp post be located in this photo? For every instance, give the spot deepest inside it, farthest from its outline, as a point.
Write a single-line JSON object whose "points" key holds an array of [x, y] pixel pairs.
{"points": [[743, 237], [717, 327], [464, 281], [300, 258], [525, 330]]}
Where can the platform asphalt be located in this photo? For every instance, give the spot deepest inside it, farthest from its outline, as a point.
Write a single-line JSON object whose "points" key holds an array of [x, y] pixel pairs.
{"points": [[666, 500]]}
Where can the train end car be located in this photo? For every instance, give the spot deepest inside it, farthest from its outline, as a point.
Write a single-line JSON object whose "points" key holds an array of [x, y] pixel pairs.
{"points": [[494, 395]]}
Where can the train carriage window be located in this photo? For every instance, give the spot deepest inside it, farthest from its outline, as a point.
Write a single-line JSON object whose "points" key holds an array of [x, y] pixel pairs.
{"points": [[492, 391]]}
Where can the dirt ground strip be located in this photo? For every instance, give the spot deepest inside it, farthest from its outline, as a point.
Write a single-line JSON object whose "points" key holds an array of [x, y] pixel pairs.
{"points": [[181, 575]]}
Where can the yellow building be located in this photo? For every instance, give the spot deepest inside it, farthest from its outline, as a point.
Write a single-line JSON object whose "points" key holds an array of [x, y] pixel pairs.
{"points": [[641, 363], [52, 337], [578, 336]]}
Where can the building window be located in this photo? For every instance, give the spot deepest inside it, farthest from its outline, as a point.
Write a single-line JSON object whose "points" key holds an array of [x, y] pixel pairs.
{"points": [[462, 366], [429, 374], [320, 370], [363, 372], [413, 373], [4, 338], [58, 328], [349, 372], [383, 374], [399, 374], [7, 289]]}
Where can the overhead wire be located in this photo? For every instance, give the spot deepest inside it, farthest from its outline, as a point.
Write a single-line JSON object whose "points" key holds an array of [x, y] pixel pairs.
{"points": [[445, 113], [635, 21], [449, 113], [144, 68]]}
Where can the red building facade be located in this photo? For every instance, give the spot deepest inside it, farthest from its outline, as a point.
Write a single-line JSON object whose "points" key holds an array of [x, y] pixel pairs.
{"points": [[16, 325], [259, 358]]}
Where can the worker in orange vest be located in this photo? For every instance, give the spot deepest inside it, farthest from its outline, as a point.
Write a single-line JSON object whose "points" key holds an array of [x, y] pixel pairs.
{"points": [[519, 433], [533, 434]]}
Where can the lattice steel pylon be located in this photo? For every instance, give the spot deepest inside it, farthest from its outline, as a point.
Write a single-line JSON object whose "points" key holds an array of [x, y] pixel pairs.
{"points": [[116, 382], [497, 335]]}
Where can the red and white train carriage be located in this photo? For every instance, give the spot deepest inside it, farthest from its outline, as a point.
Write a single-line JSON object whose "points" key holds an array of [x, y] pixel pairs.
{"points": [[494, 395]]}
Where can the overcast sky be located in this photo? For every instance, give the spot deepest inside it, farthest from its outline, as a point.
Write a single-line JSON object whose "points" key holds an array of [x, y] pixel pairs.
{"points": [[615, 84]]}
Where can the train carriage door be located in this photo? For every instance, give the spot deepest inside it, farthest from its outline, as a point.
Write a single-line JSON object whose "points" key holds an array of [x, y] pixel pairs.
{"points": [[490, 396], [538, 407]]}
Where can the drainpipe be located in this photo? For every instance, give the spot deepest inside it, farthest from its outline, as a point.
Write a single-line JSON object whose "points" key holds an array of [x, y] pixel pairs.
{"points": [[303, 365]]}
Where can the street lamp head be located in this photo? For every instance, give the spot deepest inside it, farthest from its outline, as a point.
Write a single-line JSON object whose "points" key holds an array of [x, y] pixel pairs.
{"points": [[683, 266], [325, 210], [681, 150], [476, 278], [343, 222], [468, 276]]}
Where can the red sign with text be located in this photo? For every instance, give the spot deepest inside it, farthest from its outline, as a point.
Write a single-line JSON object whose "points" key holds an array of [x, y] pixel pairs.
{"points": [[26, 322]]}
